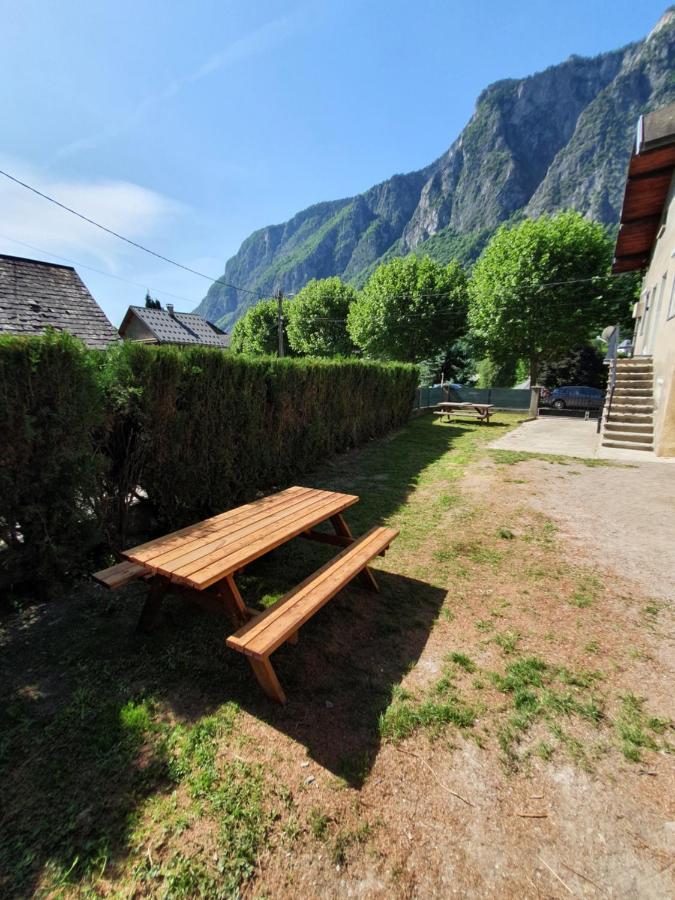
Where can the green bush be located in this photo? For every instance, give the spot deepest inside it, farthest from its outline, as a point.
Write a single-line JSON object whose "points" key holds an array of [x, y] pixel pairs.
{"points": [[197, 430], [50, 407]]}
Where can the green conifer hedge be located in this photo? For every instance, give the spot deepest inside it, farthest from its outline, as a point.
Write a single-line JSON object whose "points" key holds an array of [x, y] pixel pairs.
{"points": [[196, 430]]}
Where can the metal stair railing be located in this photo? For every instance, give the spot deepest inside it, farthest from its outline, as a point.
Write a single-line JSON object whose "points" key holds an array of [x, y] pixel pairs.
{"points": [[611, 359]]}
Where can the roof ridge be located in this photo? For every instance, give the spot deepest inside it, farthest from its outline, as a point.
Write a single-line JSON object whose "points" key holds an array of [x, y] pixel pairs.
{"points": [[37, 262]]}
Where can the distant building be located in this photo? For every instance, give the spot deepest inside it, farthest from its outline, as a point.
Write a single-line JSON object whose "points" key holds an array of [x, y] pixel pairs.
{"points": [[36, 295], [165, 326], [646, 242]]}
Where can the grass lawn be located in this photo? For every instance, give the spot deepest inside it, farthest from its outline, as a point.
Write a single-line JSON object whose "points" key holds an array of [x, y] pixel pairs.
{"points": [[134, 766]]}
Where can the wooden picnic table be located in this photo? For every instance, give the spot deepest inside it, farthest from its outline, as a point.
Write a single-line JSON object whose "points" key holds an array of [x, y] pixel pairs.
{"points": [[201, 562], [480, 411]]}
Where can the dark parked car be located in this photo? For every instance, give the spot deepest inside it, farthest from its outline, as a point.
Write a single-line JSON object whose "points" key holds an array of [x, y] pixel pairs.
{"points": [[573, 397]]}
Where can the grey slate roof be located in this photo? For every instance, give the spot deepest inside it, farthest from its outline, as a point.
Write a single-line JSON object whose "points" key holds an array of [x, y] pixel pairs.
{"points": [[179, 328], [35, 295]]}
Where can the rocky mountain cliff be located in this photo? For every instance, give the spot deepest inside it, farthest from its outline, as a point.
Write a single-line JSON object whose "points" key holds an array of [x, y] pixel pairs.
{"points": [[557, 139]]}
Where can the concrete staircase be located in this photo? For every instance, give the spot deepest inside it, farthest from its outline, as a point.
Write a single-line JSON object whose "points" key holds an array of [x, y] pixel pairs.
{"points": [[629, 424]]}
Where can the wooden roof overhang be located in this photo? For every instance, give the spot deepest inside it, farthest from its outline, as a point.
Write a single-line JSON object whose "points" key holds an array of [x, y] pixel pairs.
{"points": [[649, 175]]}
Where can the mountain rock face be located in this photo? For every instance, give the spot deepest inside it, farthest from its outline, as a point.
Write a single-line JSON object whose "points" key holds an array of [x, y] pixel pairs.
{"points": [[555, 140]]}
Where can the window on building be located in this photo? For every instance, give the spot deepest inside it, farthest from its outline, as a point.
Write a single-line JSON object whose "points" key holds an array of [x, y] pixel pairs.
{"points": [[645, 312], [671, 304], [657, 302]]}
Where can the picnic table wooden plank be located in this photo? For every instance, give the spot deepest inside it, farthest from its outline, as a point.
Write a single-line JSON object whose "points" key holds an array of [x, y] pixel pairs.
{"points": [[120, 574], [465, 404], [229, 530], [145, 552], [247, 550], [269, 630], [222, 544]]}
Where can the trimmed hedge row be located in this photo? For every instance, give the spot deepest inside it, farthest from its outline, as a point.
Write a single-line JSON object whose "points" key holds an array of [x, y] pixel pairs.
{"points": [[196, 430]]}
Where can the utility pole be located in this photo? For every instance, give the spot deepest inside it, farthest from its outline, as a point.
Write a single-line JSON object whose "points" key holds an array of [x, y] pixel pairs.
{"points": [[280, 321]]}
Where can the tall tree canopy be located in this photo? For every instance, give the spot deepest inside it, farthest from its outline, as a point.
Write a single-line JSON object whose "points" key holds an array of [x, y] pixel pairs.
{"points": [[317, 318], [256, 332], [542, 288], [409, 310]]}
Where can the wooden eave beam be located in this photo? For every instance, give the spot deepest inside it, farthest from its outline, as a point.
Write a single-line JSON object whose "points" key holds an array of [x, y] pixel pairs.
{"points": [[630, 262], [651, 160]]}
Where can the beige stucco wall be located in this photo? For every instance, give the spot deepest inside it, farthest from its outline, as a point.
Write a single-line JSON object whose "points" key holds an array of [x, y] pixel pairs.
{"points": [[655, 329]]}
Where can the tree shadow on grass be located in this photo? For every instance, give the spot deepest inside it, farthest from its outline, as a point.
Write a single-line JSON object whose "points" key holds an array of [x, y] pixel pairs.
{"points": [[83, 698]]}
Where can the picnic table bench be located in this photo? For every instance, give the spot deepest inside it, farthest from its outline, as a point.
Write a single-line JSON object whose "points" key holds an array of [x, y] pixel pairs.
{"points": [[201, 561], [480, 411]]}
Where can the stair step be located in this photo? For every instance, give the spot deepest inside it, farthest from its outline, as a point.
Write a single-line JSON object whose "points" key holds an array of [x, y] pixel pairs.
{"points": [[638, 418], [633, 427], [635, 367], [634, 393], [626, 379], [629, 437], [628, 445], [631, 423]]}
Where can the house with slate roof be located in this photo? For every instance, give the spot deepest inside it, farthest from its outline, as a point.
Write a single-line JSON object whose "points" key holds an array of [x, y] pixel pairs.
{"points": [[165, 326], [37, 295]]}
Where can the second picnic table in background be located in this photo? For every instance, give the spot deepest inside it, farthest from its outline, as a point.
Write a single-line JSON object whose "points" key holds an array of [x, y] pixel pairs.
{"points": [[480, 411]]}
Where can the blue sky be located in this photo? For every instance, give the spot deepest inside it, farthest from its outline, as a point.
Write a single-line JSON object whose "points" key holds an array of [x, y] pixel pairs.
{"points": [[188, 125]]}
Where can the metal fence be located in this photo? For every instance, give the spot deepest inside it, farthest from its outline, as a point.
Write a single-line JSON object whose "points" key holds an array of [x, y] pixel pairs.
{"points": [[502, 398]]}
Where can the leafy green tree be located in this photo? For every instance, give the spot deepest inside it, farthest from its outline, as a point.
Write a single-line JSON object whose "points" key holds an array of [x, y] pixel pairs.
{"points": [[256, 331], [410, 309], [493, 374], [543, 287], [456, 364], [317, 318], [582, 366]]}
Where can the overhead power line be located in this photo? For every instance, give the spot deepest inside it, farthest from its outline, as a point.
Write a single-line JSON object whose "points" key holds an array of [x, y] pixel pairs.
{"points": [[173, 262], [121, 237]]}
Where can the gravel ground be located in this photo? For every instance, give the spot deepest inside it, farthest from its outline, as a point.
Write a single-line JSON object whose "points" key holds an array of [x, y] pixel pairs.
{"points": [[621, 519]]}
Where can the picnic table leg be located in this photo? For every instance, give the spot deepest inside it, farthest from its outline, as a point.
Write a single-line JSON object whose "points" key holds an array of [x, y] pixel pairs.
{"points": [[228, 592], [267, 678], [152, 606], [341, 527]]}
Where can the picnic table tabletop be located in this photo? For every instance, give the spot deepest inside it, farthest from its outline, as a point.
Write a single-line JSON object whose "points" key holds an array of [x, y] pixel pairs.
{"points": [[465, 404], [208, 551]]}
